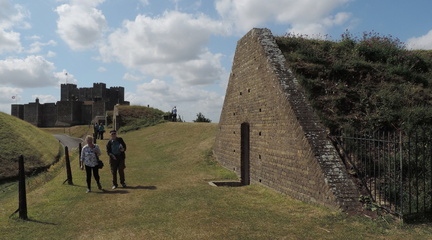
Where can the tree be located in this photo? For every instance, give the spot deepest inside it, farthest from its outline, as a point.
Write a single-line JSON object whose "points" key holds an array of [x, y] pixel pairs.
{"points": [[201, 118]]}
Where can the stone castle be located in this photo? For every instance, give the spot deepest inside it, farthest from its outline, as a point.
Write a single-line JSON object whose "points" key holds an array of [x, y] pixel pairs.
{"points": [[77, 106], [270, 135]]}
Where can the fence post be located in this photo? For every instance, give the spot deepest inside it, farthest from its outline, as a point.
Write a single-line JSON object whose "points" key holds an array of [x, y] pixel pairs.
{"points": [[68, 168], [22, 190], [401, 173], [79, 153]]}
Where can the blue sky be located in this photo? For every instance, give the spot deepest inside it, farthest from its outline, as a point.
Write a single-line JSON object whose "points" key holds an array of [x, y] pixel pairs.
{"points": [[170, 52]]}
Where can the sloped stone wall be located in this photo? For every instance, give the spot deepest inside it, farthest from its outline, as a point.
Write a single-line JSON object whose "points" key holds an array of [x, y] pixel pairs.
{"points": [[288, 147]]}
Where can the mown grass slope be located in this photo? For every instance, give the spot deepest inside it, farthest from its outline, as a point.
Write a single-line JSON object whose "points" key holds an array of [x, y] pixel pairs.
{"points": [[168, 169], [18, 137]]}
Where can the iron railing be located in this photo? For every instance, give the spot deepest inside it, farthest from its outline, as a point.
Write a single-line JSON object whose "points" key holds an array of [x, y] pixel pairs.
{"points": [[395, 168]]}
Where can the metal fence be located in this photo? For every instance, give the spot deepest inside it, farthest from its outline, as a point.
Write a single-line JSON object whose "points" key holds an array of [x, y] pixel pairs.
{"points": [[395, 168]]}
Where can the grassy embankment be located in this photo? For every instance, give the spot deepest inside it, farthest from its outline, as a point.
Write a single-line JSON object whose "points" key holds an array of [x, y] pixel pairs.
{"points": [[368, 83], [18, 137], [168, 169]]}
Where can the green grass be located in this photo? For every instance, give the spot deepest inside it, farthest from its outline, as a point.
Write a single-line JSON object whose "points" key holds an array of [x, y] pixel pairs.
{"points": [[18, 137], [168, 170], [365, 83]]}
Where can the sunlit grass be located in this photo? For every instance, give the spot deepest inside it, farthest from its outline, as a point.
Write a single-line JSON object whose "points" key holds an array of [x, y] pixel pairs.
{"points": [[168, 170], [18, 137]]}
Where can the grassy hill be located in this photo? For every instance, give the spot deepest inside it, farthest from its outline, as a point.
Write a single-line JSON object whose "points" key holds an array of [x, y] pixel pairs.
{"points": [[18, 137], [134, 117], [365, 83], [168, 169]]}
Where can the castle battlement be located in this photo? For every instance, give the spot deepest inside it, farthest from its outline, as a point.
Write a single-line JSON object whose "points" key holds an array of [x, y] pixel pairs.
{"points": [[76, 106]]}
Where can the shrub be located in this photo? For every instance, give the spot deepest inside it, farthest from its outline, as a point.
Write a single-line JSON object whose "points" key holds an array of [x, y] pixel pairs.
{"points": [[202, 118], [370, 82]]}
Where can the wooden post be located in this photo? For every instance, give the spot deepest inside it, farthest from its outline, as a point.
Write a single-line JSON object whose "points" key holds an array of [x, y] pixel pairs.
{"points": [[68, 168], [79, 153], [22, 190]]}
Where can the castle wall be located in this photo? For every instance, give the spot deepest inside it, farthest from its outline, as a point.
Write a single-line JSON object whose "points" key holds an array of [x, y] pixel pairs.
{"points": [[85, 94], [68, 113], [33, 113], [98, 109], [18, 111], [99, 91], [86, 114], [49, 114], [69, 92], [77, 106], [288, 148], [116, 96]]}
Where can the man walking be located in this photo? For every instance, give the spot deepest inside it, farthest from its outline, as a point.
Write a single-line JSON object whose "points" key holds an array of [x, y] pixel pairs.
{"points": [[116, 148]]}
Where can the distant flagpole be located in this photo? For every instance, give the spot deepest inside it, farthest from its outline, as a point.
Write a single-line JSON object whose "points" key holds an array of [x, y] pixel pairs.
{"points": [[66, 77]]}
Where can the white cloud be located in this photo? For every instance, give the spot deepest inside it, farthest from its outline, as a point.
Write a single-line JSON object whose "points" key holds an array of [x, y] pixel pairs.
{"points": [[102, 69], [319, 29], [314, 16], [423, 42], [170, 45], [11, 16], [81, 25], [145, 2], [37, 46], [131, 77], [64, 77], [51, 54], [189, 99], [9, 41], [45, 98], [30, 72], [87, 3], [8, 96]]}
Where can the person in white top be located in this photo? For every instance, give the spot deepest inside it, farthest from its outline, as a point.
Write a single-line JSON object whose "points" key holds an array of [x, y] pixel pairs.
{"points": [[89, 158]]}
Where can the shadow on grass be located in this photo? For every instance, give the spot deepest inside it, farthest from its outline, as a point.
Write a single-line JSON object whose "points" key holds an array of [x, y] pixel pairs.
{"points": [[143, 187], [125, 190], [33, 220], [45, 223], [103, 191]]}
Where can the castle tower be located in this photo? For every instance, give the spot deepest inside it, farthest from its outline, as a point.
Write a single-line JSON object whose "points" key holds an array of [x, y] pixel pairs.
{"points": [[99, 91], [69, 92]]}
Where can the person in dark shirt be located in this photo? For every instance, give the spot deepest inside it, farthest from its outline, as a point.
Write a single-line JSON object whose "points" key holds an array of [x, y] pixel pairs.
{"points": [[116, 148]]}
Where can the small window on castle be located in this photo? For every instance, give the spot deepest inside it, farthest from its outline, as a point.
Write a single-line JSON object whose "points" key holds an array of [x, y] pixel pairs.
{"points": [[249, 90], [241, 93], [260, 109], [260, 133]]}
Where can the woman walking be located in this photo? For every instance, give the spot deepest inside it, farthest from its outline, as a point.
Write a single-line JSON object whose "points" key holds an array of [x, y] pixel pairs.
{"points": [[89, 157]]}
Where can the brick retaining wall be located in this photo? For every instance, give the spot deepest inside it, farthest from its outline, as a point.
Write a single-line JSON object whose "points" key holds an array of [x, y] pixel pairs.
{"points": [[289, 149]]}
